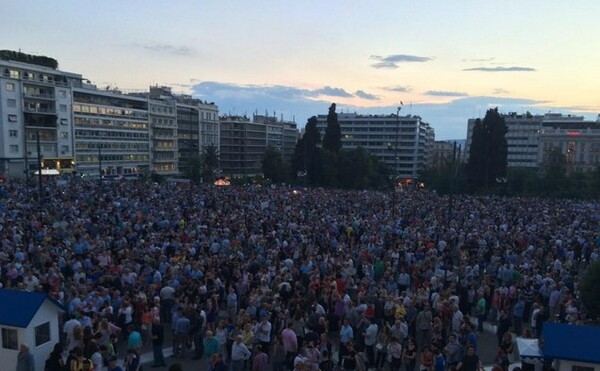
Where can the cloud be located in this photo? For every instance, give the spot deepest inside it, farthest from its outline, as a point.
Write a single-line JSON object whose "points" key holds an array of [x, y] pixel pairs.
{"points": [[449, 119], [165, 48], [398, 88], [391, 61], [501, 69], [479, 60], [500, 92], [439, 93], [332, 92], [365, 95]]}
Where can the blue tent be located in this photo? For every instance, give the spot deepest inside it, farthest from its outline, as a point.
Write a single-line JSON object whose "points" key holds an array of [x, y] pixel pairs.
{"points": [[571, 342]]}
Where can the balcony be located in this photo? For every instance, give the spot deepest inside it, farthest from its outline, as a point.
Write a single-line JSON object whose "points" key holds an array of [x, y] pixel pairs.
{"points": [[37, 95], [163, 160], [165, 149], [41, 110]]}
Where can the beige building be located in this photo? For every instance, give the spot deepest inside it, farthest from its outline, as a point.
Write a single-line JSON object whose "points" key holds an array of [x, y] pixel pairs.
{"points": [[404, 143]]}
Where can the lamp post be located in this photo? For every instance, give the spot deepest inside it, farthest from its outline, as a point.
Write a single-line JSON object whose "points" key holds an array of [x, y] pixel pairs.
{"points": [[39, 158], [502, 181], [302, 175], [395, 171], [100, 165]]}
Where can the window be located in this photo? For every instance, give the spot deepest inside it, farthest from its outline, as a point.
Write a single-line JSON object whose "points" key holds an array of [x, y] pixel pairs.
{"points": [[9, 339], [64, 121], [13, 148], [10, 86], [11, 102], [64, 135], [64, 149], [42, 334], [12, 118], [581, 368], [62, 93], [14, 74], [13, 133], [62, 108]]}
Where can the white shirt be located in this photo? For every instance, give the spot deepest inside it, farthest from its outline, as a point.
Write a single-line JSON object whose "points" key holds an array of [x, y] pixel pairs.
{"points": [[264, 332], [239, 352]]}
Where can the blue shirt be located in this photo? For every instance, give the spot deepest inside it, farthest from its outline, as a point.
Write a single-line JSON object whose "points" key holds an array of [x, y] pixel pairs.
{"points": [[346, 334]]}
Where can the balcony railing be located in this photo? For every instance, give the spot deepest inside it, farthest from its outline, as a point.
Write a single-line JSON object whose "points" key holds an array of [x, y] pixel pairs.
{"points": [[48, 96], [49, 111]]}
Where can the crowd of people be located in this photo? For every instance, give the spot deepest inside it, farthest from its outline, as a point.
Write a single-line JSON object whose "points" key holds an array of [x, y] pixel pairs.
{"points": [[281, 278]]}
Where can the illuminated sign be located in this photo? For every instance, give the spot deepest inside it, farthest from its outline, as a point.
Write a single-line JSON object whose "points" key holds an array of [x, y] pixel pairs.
{"points": [[573, 133]]}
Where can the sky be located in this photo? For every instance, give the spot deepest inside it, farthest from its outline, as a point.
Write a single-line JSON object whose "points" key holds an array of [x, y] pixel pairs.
{"points": [[445, 61]]}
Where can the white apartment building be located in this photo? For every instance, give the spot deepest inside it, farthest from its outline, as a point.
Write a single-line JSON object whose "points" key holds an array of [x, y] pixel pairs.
{"points": [[111, 133], [404, 143], [162, 116], [35, 107], [523, 136]]}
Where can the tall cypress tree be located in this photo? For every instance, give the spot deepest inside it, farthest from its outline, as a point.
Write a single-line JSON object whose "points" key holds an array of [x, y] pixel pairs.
{"points": [[305, 153], [332, 140], [488, 151]]}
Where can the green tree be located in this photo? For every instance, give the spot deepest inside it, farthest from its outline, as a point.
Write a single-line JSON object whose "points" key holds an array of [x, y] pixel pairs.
{"points": [[210, 162], [193, 170], [588, 288], [306, 152], [332, 140], [488, 151], [553, 171], [273, 166]]}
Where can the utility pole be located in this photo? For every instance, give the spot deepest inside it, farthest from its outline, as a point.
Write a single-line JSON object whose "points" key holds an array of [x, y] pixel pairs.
{"points": [[452, 185], [39, 158], [395, 172], [26, 172], [100, 165]]}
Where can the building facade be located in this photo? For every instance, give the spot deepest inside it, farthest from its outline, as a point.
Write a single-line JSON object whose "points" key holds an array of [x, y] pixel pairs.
{"points": [[243, 145], [404, 143], [162, 116], [578, 140], [35, 112], [111, 133], [524, 134]]}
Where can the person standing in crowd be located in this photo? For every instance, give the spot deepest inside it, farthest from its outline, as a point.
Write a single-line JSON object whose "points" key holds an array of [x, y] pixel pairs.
{"points": [[263, 334], [158, 340], [261, 360], [239, 354], [370, 336], [470, 361], [346, 336], [25, 360]]}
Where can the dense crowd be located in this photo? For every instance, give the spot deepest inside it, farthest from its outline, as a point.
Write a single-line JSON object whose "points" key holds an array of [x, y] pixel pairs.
{"points": [[283, 278]]}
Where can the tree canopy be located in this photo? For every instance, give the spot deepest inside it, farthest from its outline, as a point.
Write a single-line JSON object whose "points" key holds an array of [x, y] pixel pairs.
{"points": [[332, 140], [588, 287], [488, 151]]}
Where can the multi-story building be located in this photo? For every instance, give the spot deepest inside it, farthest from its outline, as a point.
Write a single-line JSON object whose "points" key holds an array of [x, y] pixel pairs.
{"points": [[111, 132], [35, 112], [402, 142], [577, 139], [188, 132], [209, 125], [243, 145], [164, 155], [523, 136], [281, 135]]}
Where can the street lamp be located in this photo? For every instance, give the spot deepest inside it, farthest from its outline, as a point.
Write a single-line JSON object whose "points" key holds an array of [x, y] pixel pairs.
{"points": [[302, 175], [395, 171], [502, 182]]}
